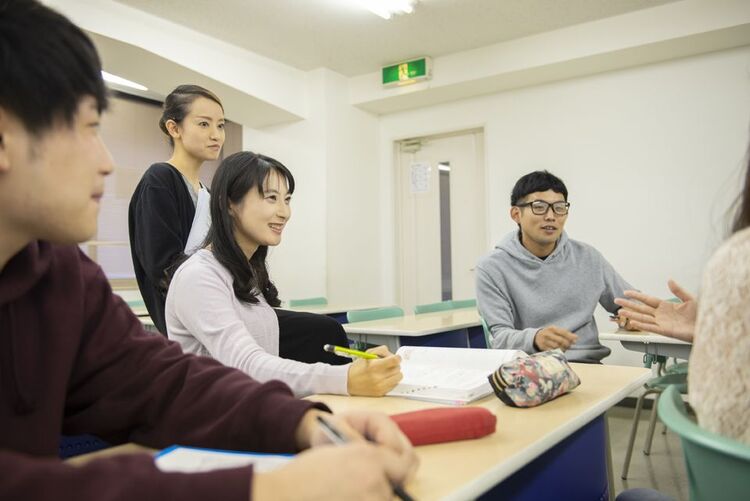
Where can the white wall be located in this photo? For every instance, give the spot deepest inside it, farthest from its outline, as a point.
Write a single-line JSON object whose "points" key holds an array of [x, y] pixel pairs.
{"points": [[298, 265], [330, 246], [651, 156]]}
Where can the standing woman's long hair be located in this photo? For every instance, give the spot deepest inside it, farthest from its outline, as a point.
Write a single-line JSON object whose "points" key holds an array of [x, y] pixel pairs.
{"points": [[236, 176]]}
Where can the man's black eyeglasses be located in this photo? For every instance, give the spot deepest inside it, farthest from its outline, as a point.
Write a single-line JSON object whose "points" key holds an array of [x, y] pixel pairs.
{"points": [[540, 207]]}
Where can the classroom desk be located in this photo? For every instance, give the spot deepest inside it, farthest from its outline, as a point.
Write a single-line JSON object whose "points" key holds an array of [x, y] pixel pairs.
{"points": [[336, 311], [555, 451], [453, 328], [117, 450], [648, 342], [558, 450], [148, 324]]}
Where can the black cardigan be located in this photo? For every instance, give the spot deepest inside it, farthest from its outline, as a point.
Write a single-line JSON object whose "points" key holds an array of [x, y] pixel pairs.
{"points": [[160, 216]]}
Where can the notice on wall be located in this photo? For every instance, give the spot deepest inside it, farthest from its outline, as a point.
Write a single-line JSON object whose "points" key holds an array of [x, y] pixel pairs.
{"points": [[420, 177]]}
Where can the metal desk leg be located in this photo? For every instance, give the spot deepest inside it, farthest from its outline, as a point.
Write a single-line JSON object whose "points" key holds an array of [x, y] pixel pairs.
{"points": [[608, 452]]}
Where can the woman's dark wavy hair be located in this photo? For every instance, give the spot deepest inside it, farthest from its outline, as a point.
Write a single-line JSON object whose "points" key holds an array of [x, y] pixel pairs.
{"points": [[236, 176]]}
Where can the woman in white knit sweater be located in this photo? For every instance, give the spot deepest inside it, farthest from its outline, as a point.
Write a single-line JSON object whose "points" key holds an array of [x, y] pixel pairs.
{"points": [[718, 325], [220, 300]]}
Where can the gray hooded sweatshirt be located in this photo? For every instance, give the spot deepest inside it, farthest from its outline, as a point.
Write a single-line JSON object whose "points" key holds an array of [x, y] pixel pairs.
{"points": [[518, 294]]}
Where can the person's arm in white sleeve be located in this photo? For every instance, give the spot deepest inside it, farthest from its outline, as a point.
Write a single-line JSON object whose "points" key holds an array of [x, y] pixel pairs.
{"points": [[203, 304]]}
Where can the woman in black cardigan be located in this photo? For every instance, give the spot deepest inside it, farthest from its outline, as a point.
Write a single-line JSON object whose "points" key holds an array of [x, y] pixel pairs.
{"points": [[168, 215]]}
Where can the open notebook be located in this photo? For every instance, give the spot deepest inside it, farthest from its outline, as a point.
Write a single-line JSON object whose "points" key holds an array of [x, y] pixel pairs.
{"points": [[195, 459], [453, 376]]}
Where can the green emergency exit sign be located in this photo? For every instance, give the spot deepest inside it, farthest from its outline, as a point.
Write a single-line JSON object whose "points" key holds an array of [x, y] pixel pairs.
{"points": [[407, 72]]}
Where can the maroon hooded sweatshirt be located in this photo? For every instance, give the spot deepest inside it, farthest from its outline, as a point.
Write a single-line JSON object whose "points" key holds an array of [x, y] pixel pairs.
{"points": [[74, 359]]}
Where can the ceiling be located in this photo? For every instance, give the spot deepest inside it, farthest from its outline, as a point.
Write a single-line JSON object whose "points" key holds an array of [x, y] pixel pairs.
{"points": [[309, 34]]}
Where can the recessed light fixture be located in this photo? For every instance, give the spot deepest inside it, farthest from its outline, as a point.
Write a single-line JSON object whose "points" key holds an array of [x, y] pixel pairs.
{"points": [[109, 77], [387, 8]]}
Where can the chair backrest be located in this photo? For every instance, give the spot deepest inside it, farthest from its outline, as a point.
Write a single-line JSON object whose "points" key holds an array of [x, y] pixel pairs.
{"points": [[464, 303], [486, 330], [444, 306], [310, 301], [374, 314], [718, 467], [433, 307]]}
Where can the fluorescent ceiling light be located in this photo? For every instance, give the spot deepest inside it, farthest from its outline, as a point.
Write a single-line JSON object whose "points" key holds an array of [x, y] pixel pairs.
{"points": [[386, 8], [109, 77]]}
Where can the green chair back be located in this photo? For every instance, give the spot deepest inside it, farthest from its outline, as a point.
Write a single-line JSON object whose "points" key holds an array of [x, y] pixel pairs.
{"points": [[136, 303], [433, 307], [310, 301], [718, 467], [374, 314], [464, 303], [444, 306], [486, 330]]}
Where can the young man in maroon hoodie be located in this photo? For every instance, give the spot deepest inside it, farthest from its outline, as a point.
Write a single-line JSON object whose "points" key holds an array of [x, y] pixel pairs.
{"points": [[73, 358]]}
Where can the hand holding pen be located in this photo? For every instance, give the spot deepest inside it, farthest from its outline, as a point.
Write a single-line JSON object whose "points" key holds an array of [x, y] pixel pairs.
{"points": [[360, 469], [338, 438], [373, 373]]}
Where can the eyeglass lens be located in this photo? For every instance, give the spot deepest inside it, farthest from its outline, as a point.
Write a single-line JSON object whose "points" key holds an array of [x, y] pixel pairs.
{"points": [[540, 207]]}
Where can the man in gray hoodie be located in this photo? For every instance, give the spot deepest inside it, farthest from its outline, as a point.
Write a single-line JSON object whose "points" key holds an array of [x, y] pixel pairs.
{"points": [[537, 290]]}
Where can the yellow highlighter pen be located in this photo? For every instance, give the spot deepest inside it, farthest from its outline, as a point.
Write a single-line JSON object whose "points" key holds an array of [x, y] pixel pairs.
{"points": [[345, 352]]}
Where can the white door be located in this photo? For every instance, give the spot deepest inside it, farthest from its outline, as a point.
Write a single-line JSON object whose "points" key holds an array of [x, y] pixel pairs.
{"points": [[441, 216]]}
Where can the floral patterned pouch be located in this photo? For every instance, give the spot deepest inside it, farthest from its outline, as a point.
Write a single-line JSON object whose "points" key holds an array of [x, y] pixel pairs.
{"points": [[533, 380]]}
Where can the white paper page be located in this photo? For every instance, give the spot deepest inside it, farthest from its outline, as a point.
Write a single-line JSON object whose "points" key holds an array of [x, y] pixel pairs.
{"points": [[456, 374], [467, 358], [193, 460]]}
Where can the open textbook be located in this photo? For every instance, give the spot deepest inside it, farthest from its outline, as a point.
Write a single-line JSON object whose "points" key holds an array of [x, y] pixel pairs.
{"points": [[195, 459], [453, 376]]}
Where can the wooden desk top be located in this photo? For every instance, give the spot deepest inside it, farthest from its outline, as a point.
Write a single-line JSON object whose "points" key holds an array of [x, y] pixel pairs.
{"points": [[418, 325], [112, 451], [639, 337], [464, 470]]}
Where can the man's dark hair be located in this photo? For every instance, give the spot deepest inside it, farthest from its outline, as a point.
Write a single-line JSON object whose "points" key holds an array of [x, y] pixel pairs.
{"points": [[540, 180], [47, 64]]}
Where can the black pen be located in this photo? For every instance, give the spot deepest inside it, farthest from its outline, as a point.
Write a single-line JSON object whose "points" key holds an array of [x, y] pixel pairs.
{"points": [[336, 437]]}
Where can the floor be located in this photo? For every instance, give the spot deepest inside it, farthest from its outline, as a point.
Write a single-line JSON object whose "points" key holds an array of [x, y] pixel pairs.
{"points": [[663, 469]]}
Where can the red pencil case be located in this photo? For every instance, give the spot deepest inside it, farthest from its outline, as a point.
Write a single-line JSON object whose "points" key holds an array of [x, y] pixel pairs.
{"points": [[445, 424]]}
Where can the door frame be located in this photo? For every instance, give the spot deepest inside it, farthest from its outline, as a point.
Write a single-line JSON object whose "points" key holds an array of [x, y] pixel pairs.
{"points": [[400, 282]]}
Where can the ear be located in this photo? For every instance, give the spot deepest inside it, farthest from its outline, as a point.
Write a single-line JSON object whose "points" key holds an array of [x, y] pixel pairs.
{"points": [[172, 128], [515, 214]]}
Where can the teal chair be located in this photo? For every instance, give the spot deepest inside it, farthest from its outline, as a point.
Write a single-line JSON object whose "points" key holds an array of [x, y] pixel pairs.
{"points": [[310, 301], [371, 314], [656, 386], [486, 330], [135, 303], [433, 307], [717, 467], [444, 306], [374, 314], [464, 303]]}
